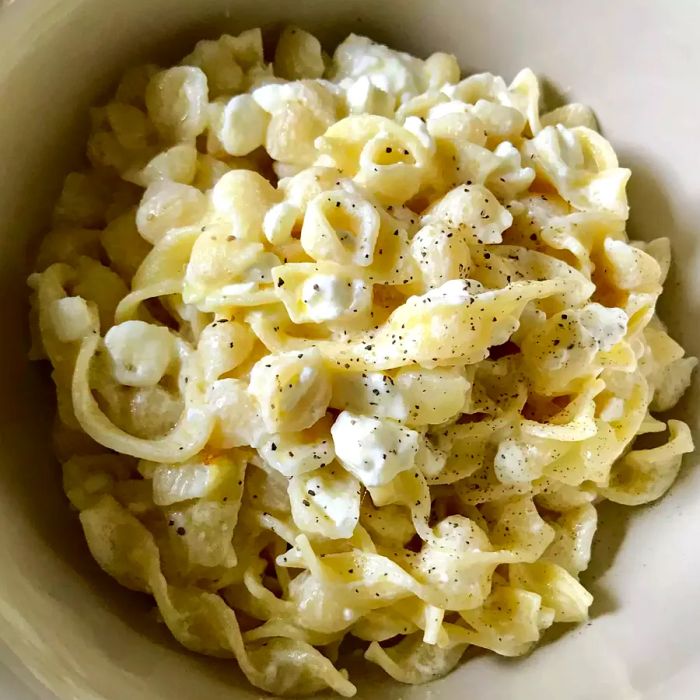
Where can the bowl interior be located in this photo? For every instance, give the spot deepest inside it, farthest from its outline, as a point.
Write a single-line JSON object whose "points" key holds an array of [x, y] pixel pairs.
{"points": [[63, 624]]}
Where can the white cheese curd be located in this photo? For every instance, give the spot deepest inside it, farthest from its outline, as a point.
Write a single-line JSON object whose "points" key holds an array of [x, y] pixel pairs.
{"points": [[329, 298], [450, 107], [612, 410], [374, 450], [393, 72], [452, 292], [418, 128], [363, 97], [607, 326]]}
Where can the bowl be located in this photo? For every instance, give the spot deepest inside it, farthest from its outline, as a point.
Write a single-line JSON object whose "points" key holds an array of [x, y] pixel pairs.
{"points": [[67, 631]]}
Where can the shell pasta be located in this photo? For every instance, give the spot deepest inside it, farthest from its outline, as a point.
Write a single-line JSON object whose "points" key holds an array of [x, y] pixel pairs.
{"points": [[350, 347]]}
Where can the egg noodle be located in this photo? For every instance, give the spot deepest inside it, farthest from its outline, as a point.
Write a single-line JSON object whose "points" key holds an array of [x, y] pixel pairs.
{"points": [[349, 349]]}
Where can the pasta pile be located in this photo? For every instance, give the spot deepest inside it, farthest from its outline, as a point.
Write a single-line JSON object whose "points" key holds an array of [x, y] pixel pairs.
{"points": [[351, 347]]}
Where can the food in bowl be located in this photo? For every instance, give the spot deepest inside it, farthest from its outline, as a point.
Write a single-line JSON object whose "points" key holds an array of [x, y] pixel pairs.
{"points": [[350, 349]]}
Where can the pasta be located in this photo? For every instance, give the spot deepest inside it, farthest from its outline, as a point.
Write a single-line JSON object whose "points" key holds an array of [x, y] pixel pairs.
{"points": [[351, 346]]}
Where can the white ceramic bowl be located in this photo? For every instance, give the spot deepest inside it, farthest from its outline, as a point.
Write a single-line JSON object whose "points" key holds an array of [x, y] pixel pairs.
{"points": [[63, 624]]}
